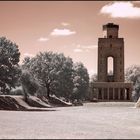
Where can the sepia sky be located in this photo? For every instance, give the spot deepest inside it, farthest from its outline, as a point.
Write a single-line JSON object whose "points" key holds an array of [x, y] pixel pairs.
{"points": [[70, 27]]}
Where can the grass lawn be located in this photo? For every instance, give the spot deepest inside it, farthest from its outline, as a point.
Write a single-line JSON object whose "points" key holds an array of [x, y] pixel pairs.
{"points": [[93, 120]]}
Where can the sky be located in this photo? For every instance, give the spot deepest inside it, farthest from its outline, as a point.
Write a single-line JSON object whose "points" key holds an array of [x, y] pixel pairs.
{"points": [[70, 27]]}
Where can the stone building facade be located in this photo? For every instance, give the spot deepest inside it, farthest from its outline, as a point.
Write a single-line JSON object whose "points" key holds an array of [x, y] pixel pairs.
{"points": [[111, 86]]}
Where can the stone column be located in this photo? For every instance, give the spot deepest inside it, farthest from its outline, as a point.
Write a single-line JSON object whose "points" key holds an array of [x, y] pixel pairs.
{"points": [[113, 94], [130, 92], [125, 94], [102, 93], [119, 95], [97, 92], [108, 93], [122, 94]]}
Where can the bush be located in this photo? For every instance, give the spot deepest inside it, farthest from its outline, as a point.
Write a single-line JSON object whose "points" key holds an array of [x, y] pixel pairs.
{"points": [[17, 91]]}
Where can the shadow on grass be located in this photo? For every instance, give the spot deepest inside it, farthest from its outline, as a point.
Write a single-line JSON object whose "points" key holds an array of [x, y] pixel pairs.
{"points": [[40, 110], [29, 110]]}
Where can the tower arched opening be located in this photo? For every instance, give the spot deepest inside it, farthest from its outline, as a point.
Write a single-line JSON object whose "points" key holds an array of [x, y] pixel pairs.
{"points": [[110, 69]]}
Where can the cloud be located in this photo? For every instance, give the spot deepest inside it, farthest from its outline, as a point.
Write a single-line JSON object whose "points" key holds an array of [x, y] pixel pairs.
{"points": [[85, 48], [65, 23], [121, 10], [78, 50], [28, 54], [43, 39], [62, 32]]}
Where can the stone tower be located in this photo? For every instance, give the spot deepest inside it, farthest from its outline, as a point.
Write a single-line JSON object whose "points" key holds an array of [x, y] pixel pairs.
{"points": [[111, 86], [111, 46]]}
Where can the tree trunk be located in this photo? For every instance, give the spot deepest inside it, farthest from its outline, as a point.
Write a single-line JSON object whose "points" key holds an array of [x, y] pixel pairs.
{"points": [[48, 89], [48, 92], [25, 94]]}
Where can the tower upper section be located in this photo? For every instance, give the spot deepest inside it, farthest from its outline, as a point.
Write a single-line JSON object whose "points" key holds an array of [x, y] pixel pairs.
{"points": [[110, 30], [110, 46]]}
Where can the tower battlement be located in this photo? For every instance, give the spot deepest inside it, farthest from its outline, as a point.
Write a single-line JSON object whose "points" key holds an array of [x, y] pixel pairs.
{"points": [[110, 25], [110, 30]]}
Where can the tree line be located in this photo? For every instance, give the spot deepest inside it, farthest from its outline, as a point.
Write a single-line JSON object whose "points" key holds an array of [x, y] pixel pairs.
{"points": [[45, 74], [50, 73]]}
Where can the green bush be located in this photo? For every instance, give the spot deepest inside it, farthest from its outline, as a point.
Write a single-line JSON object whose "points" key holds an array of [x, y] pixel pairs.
{"points": [[17, 91]]}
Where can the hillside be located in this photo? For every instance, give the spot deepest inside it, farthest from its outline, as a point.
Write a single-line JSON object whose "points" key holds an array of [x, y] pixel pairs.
{"points": [[12, 102]]}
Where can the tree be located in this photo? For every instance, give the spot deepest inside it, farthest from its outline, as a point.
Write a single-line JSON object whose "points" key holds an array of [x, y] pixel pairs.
{"points": [[80, 80], [9, 69], [53, 71], [133, 75], [110, 73], [29, 84], [93, 78], [64, 82], [91, 91]]}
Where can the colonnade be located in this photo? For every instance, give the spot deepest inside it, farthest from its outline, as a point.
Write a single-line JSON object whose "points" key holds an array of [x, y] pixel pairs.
{"points": [[113, 93]]}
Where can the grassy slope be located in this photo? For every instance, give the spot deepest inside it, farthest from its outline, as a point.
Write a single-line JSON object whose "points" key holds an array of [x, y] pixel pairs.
{"points": [[12, 102]]}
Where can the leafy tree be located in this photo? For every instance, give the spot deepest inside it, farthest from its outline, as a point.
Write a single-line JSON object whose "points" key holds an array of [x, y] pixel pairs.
{"points": [[94, 78], [64, 82], [110, 72], [80, 80], [91, 91], [29, 84], [53, 71], [133, 75], [9, 69]]}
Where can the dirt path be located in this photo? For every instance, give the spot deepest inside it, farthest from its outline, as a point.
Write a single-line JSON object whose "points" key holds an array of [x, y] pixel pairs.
{"points": [[93, 120]]}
